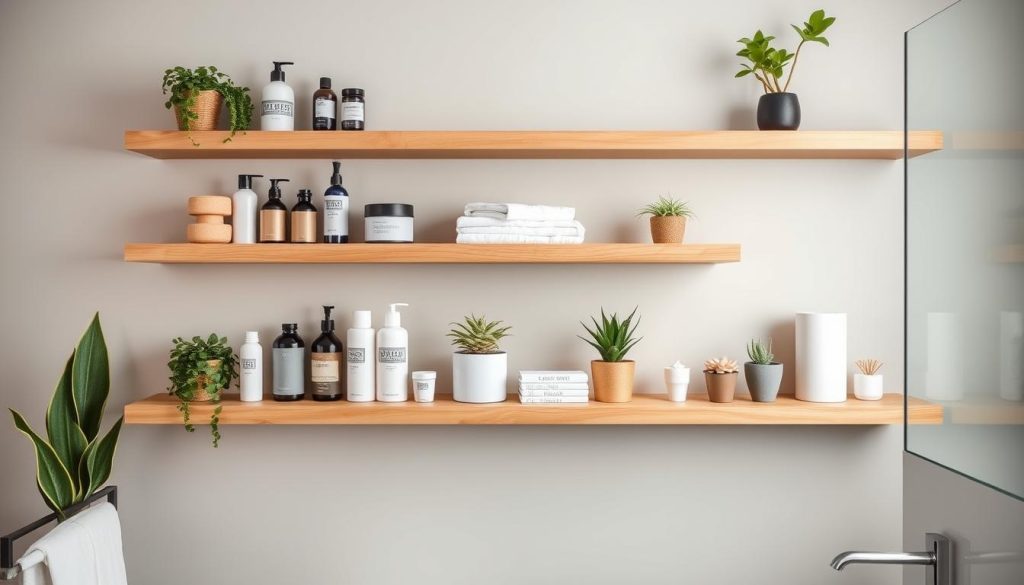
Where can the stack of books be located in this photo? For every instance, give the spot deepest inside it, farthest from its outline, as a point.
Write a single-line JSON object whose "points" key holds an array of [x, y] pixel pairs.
{"points": [[546, 387]]}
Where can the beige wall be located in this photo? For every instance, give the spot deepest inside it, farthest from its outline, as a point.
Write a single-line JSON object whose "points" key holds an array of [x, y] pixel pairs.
{"points": [[461, 505]]}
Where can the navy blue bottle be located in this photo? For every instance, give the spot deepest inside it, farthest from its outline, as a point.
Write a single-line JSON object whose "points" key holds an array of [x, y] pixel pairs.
{"points": [[336, 210]]}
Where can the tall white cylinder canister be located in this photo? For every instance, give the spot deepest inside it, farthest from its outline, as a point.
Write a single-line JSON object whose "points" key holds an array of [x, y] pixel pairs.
{"points": [[821, 357], [944, 372]]}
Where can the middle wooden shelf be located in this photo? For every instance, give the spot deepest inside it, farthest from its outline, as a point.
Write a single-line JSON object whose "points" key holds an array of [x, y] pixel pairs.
{"points": [[432, 253]]}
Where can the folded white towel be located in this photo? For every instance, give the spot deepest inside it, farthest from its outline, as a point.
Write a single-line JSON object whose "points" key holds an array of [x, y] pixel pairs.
{"points": [[574, 229], [516, 211], [516, 239], [464, 222], [83, 550]]}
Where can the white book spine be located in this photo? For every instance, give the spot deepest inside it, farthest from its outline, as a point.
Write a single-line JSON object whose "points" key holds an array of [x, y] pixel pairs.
{"points": [[552, 393], [554, 386], [553, 399], [553, 377]]}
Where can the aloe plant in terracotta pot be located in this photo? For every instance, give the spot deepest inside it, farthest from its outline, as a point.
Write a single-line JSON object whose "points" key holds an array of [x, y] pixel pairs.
{"points": [[720, 375], [668, 219], [613, 338]]}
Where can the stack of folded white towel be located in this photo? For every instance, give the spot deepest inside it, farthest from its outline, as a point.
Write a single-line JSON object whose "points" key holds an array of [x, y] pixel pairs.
{"points": [[515, 223]]}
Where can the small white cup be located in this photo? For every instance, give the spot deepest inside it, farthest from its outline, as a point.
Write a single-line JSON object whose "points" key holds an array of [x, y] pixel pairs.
{"points": [[423, 386], [677, 381], [867, 387]]}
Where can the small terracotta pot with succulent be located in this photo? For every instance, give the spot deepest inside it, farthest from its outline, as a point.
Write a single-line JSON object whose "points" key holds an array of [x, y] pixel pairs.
{"points": [[720, 375], [668, 220]]}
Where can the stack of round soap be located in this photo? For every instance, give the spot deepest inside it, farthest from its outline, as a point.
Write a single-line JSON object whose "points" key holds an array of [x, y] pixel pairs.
{"points": [[209, 211]]}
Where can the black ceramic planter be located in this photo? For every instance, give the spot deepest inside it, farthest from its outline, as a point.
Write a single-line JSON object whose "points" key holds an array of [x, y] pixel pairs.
{"points": [[778, 111]]}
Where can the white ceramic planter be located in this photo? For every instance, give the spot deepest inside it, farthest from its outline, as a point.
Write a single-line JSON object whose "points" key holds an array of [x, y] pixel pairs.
{"points": [[821, 357], [677, 382], [479, 378], [867, 387]]}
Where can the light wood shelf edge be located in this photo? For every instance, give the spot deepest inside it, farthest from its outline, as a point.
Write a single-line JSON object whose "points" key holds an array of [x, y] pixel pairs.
{"points": [[432, 253], [643, 410], [719, 144]]}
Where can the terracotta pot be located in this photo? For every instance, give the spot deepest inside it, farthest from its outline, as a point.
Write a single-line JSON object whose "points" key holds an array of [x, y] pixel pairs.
{"points": [[668, 229], [207, 108], [613, 381], [202, 387], [721, 387]]}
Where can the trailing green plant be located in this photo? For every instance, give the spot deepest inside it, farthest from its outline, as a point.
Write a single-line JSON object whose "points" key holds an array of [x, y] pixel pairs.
{"points": [[760, 353], [767, 64], [478, 335], [667, 207], [184, 84], [191, 372], [74, 460], [612, 337]]}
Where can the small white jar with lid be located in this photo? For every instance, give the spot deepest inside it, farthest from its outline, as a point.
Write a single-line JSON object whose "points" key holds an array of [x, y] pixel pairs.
{"points": [[388, 223], [423, 386]]}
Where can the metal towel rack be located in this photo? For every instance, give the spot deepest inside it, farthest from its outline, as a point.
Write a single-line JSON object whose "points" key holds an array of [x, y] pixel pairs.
{"points": [[9, 568]]}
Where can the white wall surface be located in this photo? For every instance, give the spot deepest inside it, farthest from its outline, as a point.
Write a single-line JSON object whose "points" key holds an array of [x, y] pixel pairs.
{"points": [[461, 505]]}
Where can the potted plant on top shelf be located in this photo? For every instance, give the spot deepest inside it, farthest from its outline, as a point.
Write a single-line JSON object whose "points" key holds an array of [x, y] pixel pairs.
{"points": [[763, 373], [778, 109], [200, 370], [613, 373], [197, 97], [668, 219], [479, 368]]}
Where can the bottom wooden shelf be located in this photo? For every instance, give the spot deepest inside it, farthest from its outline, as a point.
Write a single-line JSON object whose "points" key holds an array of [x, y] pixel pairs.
{"points": [[643, 410]]}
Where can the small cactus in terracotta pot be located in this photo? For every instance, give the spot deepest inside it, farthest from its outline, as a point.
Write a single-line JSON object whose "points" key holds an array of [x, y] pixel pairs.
{"points": [[668, 220], [720, 375]]}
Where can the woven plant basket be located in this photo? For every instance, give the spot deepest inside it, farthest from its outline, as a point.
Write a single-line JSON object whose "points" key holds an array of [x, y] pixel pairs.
{"points": [[202, 395], [207, 108], [668, 229]]}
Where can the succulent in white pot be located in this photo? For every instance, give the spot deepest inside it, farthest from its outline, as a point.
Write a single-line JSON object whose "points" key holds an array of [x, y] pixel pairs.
{"points": [[479, 367], [867, 385]]}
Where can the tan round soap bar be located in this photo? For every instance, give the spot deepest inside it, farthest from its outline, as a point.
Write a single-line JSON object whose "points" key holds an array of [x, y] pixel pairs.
{"points": [[209, 205], [209, 233]]}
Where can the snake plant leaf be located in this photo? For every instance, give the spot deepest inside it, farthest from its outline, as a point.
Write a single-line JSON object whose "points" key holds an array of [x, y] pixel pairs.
{"points": [[99, 457], [52, 477], [90, 379], [62, 430]]}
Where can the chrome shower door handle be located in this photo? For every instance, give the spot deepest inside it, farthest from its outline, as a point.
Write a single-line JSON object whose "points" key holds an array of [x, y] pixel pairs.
{"points": [[938, 558]]}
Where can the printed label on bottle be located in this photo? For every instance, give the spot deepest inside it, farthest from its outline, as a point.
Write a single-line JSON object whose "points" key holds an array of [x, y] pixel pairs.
{"points": [[248, 365], [324, 108], [272, 225], [352, 111], [278, 108], [356, 355], [303, 226], [325, 373], [336, 215], [391, 355], [289, 371]]}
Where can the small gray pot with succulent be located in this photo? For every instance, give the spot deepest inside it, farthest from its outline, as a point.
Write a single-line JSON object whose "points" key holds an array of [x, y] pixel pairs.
{"points": [[763, 373]]}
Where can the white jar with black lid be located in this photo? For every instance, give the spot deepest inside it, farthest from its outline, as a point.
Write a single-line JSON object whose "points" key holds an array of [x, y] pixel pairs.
{"points": [[388, 223]]}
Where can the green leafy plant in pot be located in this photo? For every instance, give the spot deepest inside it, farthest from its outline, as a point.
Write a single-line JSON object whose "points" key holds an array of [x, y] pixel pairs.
{"points": [[197, 97], [479, 367], [668, 219], [763, 373], [201, 369], [74, 460], [778, 109], [613, 374]]}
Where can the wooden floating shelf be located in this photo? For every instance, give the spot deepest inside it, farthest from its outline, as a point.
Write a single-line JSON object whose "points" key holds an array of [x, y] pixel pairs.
{"points": [[161, 409], [721, 144], [432, 253]]}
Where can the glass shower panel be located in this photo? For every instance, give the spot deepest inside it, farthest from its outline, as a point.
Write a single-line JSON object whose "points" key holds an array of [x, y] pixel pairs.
{"points": [[965, 240]]}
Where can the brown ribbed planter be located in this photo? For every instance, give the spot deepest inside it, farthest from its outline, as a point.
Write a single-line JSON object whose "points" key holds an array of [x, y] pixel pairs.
{"points": [[613, 381], [207, 108], [668, 229], [721, 387]]}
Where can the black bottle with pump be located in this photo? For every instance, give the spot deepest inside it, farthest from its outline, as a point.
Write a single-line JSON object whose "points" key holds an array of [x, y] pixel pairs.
{"points": [[274, 216], [288, 355], [326, 361]]}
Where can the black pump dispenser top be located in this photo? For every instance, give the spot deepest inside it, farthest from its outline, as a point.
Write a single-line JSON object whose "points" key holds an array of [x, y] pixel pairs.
{"points": [[275, 191], [245, 181], [336, 177], [305, 195], [278, 74], [327, 324]]}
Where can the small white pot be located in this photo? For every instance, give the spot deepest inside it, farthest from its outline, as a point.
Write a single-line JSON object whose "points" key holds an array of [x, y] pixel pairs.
{"points": [[677, 382], [480, 377], [867, 387], [423, 386]]}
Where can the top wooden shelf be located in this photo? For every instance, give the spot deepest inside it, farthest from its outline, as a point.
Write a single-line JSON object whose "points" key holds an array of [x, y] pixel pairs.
{"points": [[722, 144]]}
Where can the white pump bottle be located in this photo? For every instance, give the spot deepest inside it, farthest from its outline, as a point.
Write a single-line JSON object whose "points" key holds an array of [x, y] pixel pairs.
{"points": [[277, 105], [393, 357]]}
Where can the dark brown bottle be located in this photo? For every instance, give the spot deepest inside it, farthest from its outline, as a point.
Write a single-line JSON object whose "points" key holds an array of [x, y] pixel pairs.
{"points": [[327, 372], [325, 107]]}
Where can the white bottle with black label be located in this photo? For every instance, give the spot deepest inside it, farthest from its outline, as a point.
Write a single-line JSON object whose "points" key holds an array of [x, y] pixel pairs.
{"points": [[336, 204], [250, 356], [393, 357], [360, 358], [277, 108]]}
